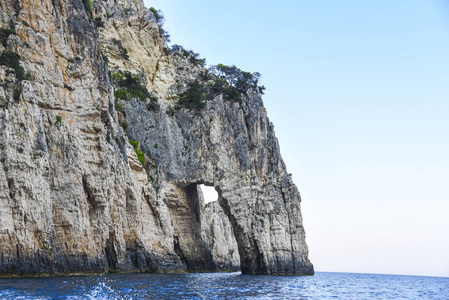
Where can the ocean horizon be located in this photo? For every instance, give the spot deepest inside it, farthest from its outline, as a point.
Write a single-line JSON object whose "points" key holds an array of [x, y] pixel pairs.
{"points": [[323, 285]]}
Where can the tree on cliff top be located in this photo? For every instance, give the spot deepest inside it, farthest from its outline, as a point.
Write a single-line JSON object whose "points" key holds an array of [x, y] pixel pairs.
{"points": [[241, 80], [160, 19]]}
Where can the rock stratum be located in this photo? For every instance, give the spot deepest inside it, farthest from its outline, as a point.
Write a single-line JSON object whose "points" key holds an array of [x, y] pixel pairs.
{"points": [[77, 197]]}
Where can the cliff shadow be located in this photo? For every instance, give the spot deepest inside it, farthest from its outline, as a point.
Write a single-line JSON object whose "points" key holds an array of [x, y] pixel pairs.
{"points": [[185, 211]]}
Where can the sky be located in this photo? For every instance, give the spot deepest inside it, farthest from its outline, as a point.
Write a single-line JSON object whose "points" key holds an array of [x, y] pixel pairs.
{"points": [[358, 92]]}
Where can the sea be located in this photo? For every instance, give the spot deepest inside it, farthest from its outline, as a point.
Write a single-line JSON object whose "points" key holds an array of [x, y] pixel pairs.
{"points": [[323, 285]]}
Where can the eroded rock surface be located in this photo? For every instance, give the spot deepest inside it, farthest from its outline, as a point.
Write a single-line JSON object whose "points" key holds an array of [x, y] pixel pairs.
{"points": [[219, 235], [74, 196]]}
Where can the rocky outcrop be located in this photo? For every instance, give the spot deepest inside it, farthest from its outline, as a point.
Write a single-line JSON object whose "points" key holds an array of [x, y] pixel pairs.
{"points": [[77, 197], [219, 235]]}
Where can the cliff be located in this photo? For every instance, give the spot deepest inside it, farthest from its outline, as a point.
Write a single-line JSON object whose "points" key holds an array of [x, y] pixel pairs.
{"points": [[100, 165]]}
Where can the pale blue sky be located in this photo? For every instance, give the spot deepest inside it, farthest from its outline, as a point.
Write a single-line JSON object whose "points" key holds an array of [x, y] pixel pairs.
{"points": [[358, 92]]}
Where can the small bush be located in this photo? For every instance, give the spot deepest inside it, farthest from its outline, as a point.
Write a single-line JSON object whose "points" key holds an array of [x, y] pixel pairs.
{"points": [[156, 146], [170, 111], [124, 53], [116, 42], [109, 15], [98, 22], [139, 153], [4, 34], [59, 119], [231, 94], [150, 178], [105, 59], [201, 62], [10, 59], [124, 125], [16, 94], [121, 94], [192, 98], [160, 19], [140, 156], [156, 14], [88, 7], [193, 57], [117, 76], [153, 105], [164, 34], [135, 144], [119, 107], [122, 50], [130, 87]]}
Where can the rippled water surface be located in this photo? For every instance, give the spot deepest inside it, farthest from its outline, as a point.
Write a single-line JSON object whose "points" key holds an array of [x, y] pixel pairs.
{"points": [[227, 286]]}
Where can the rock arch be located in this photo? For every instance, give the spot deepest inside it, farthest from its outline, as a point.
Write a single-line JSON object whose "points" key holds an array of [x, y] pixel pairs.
{"points": [[75, 197]]}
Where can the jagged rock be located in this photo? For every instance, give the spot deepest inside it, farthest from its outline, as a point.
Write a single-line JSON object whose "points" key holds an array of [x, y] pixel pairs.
{"points": [[219, 236], [74, 195]]}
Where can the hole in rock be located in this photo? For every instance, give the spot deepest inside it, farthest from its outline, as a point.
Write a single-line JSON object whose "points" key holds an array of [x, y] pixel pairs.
{"points": [[209, 193]]}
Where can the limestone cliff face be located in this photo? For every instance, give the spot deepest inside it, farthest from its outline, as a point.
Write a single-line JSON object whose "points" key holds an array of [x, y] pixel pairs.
{"points": [[219, 235], [74, 195]]}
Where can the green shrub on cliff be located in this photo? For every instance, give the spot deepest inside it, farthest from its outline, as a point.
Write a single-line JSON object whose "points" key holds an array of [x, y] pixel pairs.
{"points": [[160, 19], [135, 89], [4, 34], [130, 87], [88, 7], [105, 59], [121, 94], [98, 22], [122, 50], [117, 76], [193, 57], [139, 153], [10, 59], [193, 97], [119, 107], [241, 80], [153, 105]]}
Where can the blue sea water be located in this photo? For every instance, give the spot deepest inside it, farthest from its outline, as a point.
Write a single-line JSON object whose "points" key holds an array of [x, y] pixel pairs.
{"points": [[227, 286]]}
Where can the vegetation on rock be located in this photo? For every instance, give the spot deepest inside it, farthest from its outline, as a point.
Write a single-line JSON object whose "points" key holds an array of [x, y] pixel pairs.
{"points": [[4, 34], [241, 80], [139, 153], [153, 105], [88, 7], [122, 50], [16, 94], [130, 86], [194, 96], [228, 81], [160, 19], [98, 22], [10, 59], [105, 59], [193, 57], [119, 107]]}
